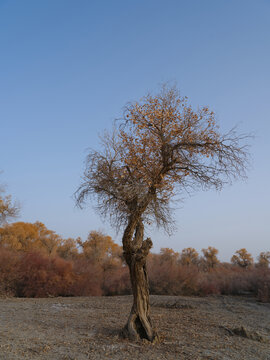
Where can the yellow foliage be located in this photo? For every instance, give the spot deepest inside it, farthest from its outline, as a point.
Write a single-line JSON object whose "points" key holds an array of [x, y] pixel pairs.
{"points": [[101, 249], [21, 236], [242, 258], [189, 256]]}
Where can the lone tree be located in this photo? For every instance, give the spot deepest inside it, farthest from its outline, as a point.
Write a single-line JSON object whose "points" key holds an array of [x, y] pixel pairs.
{"points": [[159, 148]]}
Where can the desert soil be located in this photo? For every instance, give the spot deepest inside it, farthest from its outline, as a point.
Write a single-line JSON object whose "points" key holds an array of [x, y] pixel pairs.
{"points": [[215, 327]]}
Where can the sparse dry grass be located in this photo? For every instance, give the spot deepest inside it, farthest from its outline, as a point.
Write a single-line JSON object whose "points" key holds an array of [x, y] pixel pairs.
{"points": [[87, 328]]}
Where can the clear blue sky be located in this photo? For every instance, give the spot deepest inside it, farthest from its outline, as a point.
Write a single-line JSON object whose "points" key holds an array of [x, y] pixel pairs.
{"points": [[67, 68]]}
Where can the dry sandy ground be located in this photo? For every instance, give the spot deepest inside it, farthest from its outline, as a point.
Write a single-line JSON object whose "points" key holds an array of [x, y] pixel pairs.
{"points": [[87, 328]]}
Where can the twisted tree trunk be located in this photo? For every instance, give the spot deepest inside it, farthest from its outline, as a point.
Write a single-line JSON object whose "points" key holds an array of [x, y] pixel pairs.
{"points": [[139, 324]]}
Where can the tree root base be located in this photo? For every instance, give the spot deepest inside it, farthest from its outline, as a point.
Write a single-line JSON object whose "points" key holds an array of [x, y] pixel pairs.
{"points": [[126, 334]]}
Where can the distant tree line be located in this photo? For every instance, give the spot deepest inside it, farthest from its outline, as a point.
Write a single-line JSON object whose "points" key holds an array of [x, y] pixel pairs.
{"points": [[37, 262]]}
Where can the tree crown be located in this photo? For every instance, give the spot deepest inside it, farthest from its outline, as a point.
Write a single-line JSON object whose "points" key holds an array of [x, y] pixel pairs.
{"points": [[159, 148]]}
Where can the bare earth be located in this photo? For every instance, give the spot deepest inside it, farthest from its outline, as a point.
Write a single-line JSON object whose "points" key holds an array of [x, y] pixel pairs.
{"points": [[87, 328]]}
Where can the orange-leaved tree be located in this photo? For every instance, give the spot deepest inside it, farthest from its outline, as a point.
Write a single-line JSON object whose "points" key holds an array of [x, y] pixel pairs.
{"points": [[8, 208], [264, 259], [159, 148], [22, 236], [101, 249], [189, 256], [210, 257], [169, 255], [67, 248], [242, 258]]}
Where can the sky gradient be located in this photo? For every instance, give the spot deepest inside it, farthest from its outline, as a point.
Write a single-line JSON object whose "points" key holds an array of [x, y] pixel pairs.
{"points": [[67, 68]]}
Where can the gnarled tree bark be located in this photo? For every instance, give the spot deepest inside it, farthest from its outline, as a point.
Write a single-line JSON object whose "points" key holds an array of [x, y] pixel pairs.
{"points": [[139, 324]]}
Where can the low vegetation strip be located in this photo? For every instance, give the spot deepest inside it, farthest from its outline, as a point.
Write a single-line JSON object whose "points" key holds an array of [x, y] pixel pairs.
{"points": [[99, 269]]}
